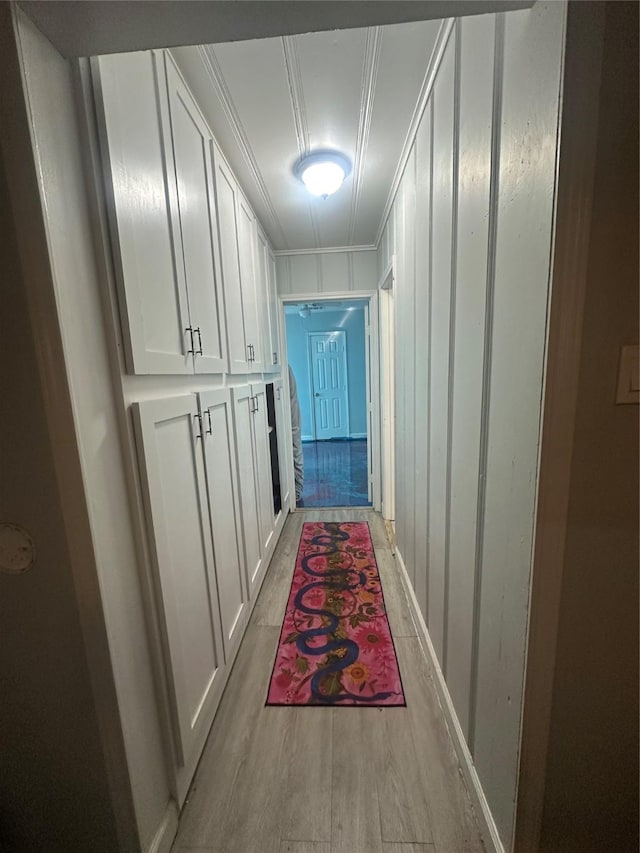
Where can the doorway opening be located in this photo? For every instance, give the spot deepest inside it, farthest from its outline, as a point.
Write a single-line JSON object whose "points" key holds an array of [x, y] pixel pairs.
{"points": [[328, 352]]}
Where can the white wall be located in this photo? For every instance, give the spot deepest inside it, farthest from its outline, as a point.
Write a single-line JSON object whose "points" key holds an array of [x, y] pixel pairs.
{"points": [[471, 229], [326, 272], [88, 452]]}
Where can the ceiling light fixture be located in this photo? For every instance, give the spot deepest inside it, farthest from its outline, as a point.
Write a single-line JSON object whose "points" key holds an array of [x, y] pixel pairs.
{"points": [[322, 172]]}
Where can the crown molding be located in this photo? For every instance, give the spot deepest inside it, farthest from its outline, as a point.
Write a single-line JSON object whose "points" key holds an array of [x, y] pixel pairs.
{"points": [[442, 39], [288, 252], [211, 64]]}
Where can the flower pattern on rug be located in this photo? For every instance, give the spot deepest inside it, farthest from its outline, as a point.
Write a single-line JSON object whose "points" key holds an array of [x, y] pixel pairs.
{"points": [[335, 644]]}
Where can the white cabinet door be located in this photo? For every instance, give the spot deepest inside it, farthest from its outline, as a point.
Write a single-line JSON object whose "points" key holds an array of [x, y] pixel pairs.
{"points": [[263, 464], [274, 325], [193, 175], [284, 443], [262, 296], [224, 514], [243, 405], [226, 193], [251, 307], [173, 480], [134, 136]]}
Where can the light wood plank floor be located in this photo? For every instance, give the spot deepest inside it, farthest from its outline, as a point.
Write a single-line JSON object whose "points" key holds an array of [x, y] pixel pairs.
{"points": [[327, 780]]}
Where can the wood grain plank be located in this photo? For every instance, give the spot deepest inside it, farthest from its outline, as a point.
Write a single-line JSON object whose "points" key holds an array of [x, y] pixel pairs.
{"points": [[270, 607], [402, 795], [305, 847], [453, 825], [394, 847], [355, 820]]}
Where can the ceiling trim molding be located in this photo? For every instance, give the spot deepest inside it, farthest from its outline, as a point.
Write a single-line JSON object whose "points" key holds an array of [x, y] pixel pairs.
{"points": [[210, 61], [288, 252], [442, 39], [299, 110], [369, 75]]}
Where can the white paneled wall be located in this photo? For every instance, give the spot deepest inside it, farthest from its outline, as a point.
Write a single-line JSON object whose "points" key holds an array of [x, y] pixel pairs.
{"points": [[471, 231], [326, 272]]}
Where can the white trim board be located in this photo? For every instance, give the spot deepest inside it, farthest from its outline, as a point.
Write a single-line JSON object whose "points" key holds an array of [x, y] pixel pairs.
{"points": [[368, 248], [483, 814]]}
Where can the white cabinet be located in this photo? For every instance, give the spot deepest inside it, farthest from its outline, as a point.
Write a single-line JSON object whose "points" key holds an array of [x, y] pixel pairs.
{"points": [[192, 150], [266, 289], [274, 318], [263, 464], [284, 443], [243, 419], [245, 300], [159, 176], [169, 434], [134, 123], [254, 473], [224, 514], [226, 194], [253, 303]]}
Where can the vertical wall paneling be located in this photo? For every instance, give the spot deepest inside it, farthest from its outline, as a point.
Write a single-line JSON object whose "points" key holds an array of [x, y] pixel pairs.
{"points": [[531, 79], [401, 387], [471, 231], [422, 347], [443, 144], [474, 178], [406, 341], [452, 331], [319, 272]]}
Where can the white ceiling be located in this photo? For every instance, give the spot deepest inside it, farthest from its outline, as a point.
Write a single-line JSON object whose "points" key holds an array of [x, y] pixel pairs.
{"points": [[269, 101]]}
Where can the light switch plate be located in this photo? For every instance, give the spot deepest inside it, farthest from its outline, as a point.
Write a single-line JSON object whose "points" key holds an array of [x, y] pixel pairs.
{"points": [[629, 375]]}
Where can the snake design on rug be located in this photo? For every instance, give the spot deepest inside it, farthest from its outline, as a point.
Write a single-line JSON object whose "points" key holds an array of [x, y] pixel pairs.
{"points": [[340, 581]]}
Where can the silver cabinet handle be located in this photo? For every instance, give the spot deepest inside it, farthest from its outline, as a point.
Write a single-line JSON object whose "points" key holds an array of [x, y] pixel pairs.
{"points": [[210, 430], [249, 348], [190, 330], [197, 332], [199, 419], [278, 393], [275, 357]]}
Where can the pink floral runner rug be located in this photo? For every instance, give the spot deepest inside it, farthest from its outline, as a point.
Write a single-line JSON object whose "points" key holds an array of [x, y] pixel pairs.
{"points": [[335, 645]]}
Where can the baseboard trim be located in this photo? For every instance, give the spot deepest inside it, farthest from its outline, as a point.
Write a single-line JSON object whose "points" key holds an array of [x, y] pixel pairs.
{"points": [[167, 830], [355, 435], [486, 822]]}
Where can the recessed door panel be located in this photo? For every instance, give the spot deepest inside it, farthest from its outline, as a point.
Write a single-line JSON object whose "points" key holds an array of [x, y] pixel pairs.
{"points": [[226, 191], [135, 136], [330, 384], [194, 184], [174, 487], [243, 405], [224, 514]]}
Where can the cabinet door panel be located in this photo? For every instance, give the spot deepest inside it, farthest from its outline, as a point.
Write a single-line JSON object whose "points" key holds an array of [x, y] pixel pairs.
{"points": [[263, 464], [172, 466], [224, 513], [134, 136], [262, 298], [196, 202], [274, 324], [250, 302], [226, 192], [245, 455], [284, 444]]}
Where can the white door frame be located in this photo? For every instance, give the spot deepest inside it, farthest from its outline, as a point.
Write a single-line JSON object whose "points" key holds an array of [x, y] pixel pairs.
{"points": [[372, 371], [312, 381]]}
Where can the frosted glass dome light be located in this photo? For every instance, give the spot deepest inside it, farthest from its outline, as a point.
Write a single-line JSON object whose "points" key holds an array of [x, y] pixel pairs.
{"points": [[322, 172]]}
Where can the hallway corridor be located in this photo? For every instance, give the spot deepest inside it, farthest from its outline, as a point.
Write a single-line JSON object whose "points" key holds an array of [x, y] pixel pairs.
{"points": [[327, 780]]}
